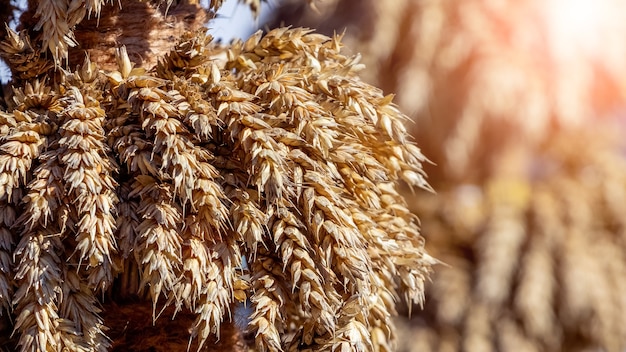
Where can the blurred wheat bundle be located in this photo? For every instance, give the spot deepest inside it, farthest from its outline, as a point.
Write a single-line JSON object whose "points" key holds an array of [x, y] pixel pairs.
{"points": [[535, 253], [513, 100], [157, 183]]}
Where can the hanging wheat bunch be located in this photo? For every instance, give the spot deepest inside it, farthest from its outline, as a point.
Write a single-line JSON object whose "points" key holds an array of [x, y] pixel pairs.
{"points": [[526, 214], [263, 171]]}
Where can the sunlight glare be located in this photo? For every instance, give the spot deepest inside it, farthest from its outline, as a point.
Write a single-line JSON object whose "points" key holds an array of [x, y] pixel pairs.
{"points": [[578, 26]]}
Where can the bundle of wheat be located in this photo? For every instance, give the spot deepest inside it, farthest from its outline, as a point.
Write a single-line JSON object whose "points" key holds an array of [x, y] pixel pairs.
{"points": [[263, 171], [535, 253], [529, 207]]}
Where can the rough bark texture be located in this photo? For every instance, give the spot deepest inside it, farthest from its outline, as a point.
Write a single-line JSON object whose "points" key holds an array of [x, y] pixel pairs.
{"points": [[132, 328], [147, 29], [143, 28]]}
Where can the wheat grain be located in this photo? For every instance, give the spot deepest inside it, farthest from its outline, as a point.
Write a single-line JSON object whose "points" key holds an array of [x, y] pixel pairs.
{"points": [[25, 62], [270, 150], [88, 179]]}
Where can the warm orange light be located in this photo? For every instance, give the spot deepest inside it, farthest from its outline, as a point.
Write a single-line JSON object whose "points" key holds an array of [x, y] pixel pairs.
{"points": [[581, 27]]}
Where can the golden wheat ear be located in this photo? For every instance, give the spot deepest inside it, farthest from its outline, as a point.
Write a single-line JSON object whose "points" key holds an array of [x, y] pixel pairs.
{"points": [[263, 172]]}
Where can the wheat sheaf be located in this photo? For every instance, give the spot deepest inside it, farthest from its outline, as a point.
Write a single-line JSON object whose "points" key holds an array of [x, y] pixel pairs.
{"points": [[263, 171]]}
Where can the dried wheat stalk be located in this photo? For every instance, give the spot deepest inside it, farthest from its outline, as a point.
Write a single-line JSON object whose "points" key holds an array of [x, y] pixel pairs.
{"points": [[153, 186]]}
